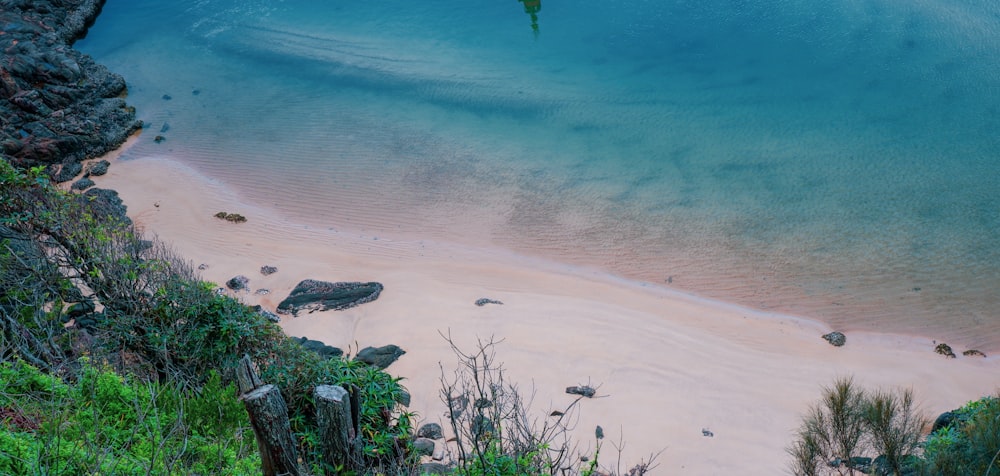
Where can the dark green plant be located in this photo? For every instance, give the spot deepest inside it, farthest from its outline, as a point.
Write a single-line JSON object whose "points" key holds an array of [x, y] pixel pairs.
{"points": [[104, 423], [969, 445]]}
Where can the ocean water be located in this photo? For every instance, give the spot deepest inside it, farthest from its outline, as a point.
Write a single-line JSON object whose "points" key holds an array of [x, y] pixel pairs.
{"points": [[836, 160]]}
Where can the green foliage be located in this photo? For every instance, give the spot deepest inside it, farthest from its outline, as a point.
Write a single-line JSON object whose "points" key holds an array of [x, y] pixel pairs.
{"points": [[969, 445], [384, 429], [108, 424], [850, 422]]}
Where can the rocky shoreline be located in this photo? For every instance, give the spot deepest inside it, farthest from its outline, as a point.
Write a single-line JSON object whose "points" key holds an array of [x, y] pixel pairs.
{"points": [[58, 106]]}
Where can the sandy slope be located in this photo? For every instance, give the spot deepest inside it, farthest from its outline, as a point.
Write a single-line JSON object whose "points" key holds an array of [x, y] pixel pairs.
{"points": [[668, 365]]}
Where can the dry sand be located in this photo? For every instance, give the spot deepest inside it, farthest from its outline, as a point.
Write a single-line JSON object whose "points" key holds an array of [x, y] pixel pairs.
{"points": [[667, 365]]}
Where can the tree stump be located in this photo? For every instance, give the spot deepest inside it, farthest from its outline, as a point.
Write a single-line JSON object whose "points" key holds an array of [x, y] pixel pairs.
{"points": [[336, 430], [246, 376], [269, 419]]}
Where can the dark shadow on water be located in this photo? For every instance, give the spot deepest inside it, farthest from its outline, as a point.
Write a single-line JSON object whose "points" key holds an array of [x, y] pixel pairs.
{"points": [[532, 7]]}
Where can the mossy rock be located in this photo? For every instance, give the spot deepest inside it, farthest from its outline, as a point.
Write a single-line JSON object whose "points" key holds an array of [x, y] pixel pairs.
{"points": [[231, 217], [945, 350]]}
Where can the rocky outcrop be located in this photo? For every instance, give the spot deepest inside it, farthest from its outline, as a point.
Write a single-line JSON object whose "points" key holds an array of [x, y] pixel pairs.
{"points": [[106, 203], [315, 295], [57, 106]]}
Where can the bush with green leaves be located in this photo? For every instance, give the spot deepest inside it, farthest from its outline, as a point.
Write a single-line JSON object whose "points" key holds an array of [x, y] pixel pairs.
{"points": [[970, 444], [103, 423]]}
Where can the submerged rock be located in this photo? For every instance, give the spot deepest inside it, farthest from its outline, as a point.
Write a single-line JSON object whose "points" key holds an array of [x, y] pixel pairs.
{"points": [[315, 295]]}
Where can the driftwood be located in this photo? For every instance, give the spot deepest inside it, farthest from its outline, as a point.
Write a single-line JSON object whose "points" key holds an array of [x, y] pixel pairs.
{"points": [[337, 431], [269, 419]]}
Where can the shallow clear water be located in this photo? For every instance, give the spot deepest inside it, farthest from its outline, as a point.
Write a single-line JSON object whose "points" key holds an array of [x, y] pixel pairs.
{"points": [[838, 160]]}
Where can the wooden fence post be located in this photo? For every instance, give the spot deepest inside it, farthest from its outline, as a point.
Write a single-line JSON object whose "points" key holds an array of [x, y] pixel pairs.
{"points": [[336, 430], [269, 418]]}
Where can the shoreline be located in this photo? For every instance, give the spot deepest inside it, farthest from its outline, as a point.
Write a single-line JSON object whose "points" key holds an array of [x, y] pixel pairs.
{"points": [[670, 363]]}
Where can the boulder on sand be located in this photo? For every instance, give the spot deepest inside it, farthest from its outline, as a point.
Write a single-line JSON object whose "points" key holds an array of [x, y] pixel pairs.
{"points": [[315, 295]]}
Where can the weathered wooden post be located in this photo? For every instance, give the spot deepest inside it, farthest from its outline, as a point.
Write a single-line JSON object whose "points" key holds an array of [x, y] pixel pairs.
{"points": [[246, 376], [337, 431], [269, 419]]}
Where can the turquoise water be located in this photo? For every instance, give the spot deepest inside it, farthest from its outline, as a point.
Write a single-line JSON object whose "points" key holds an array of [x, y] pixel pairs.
{"points": [[838, 160]]}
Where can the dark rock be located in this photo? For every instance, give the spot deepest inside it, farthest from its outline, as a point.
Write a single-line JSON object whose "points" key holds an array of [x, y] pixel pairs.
{"points": [[238, 283], [315, 295], [423, 446], [268, 270], [403, 398], [584, 390], [484, 301], [68, 171], [480, 426], [944, 420], [57, 105], [107, 204], [202, 266], [599, 432], [431, 430], [973, 353], [707, 432], [159, 139], [96, 169], [432, 468], [319, 347], [458, 405], [81, 308], [380, 357], [835, 338], [195, 92], [90, 321], [267, 314], [262, 292], [860, 463], [945, 350], [166, 97], [82, 184]]}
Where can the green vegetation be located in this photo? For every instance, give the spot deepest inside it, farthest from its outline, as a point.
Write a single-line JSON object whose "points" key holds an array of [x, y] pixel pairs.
{"points": [[856, 431], [970, 444], [155, 338], [103, 423]]}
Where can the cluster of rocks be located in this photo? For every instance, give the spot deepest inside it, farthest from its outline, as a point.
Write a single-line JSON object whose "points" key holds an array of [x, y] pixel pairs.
{"points": [[430, 441], [838, 339], [57, 106]]}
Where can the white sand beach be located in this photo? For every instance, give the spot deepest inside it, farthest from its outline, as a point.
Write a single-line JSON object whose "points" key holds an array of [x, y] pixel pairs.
{"points": [[667, 365]]}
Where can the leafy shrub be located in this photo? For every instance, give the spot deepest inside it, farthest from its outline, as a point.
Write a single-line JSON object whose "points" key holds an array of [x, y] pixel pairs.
{"points": [[105, 423], [970, 445]]}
